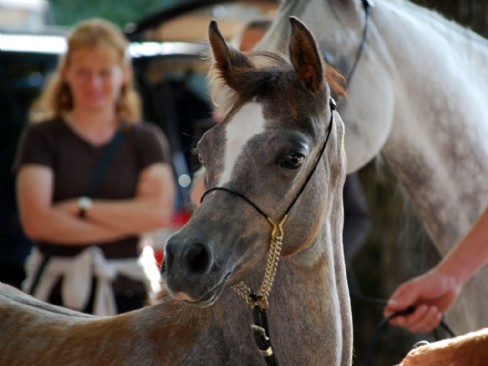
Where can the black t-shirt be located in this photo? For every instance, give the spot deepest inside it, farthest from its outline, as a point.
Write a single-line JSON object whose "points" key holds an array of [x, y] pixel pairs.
{"points": [[73, 160]]}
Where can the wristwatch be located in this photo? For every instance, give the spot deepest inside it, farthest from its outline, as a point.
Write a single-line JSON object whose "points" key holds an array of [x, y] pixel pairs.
{"points": [[84, 204]]}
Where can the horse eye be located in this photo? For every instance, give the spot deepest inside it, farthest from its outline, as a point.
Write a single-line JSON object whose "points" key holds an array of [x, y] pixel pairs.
{"points": [[200, 159], [292, 160]]}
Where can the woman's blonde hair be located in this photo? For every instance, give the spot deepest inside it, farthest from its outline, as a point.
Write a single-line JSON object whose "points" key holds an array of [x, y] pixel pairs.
{"points": [[56, 97]]}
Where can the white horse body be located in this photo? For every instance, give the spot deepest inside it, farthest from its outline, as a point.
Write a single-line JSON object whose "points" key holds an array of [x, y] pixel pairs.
{"points": [[426, 83]]}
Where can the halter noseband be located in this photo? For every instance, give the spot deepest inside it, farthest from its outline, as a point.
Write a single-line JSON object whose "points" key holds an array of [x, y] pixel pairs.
{"points": [[259, 301]]}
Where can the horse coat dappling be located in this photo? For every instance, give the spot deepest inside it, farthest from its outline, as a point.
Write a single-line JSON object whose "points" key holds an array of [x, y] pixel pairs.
{"points": [[278, 152], [418, 98]]}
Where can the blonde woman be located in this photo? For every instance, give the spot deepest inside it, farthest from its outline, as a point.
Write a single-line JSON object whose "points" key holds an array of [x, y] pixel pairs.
{"points": [[96, 264]]}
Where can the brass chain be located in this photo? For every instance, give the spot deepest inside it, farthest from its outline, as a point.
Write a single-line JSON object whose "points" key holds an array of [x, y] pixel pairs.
{"points": [[244, 291], [273, 259]]}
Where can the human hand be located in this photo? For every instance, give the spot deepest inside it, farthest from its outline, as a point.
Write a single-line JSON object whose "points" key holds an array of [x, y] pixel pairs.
{"points": [[431, 294]]}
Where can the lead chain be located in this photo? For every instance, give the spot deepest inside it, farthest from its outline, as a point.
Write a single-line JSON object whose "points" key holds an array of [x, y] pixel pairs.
{"points": [[276, 244]]}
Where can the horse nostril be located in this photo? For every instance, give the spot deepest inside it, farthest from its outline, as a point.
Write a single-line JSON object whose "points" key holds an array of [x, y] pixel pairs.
{"points": [[197, 259]]}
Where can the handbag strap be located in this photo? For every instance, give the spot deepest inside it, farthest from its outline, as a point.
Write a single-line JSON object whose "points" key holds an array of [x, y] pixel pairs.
{"points": [[90, 190], [103, 164]]}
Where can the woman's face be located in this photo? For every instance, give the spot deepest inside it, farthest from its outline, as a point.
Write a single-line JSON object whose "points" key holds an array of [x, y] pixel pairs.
{"points": [[95, 76]]}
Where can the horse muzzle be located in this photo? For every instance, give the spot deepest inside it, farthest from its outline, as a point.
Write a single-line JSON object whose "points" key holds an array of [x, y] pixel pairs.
{"points": [[191, 271]]}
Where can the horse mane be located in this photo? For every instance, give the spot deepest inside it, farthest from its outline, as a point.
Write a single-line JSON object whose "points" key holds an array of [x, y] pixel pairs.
{"points": [[433, 17], [270, 67]]}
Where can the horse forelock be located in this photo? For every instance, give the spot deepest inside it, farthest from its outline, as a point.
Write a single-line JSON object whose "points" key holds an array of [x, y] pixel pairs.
{"points": [[253, 80], [273, 75]]}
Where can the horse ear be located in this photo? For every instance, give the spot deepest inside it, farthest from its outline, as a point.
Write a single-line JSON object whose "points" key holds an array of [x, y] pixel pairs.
{"points": [[227, 58], [305, 57]]}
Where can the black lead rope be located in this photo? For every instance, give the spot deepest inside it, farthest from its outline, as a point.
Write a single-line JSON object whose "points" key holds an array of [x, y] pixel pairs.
{"points": [[260, 325], [368, 360], [261, 334]]}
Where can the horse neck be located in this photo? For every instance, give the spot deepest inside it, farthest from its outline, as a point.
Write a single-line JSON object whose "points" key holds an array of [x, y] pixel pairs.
{"points": [[436, 145], [309, 299], [302, 306]]}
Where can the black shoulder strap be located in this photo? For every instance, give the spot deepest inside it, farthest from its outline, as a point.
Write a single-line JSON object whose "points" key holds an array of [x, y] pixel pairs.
{"points": [[98, 174], [103, 164]]}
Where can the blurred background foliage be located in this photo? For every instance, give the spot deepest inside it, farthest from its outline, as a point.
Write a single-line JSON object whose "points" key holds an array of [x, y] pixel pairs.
{"points": [[470, 13], [121, 12]]}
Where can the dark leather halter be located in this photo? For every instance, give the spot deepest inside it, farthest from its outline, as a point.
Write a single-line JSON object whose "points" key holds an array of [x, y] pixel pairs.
{"points": [[259, 301], [367, 5]]}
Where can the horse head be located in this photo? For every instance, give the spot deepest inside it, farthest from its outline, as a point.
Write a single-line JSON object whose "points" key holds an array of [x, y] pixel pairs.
{"points": [[265, 161]]}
